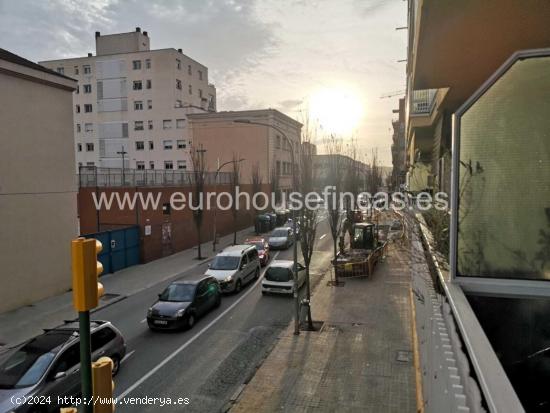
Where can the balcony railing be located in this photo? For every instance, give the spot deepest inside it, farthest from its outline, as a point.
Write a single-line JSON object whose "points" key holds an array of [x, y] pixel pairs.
{"points": [[423, 101], [90, 176]]}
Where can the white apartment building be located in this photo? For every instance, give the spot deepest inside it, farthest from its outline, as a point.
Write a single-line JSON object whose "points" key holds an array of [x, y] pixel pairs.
{"points": [[132, 103]]}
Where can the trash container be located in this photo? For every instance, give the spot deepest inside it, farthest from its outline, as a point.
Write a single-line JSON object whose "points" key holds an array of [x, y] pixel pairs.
{"points": [[261, 224], [272, 220]]}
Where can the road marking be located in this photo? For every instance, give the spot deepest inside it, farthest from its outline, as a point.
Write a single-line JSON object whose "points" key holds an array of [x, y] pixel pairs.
{"points": [[322, 236], [192, 339], [127, 356], [143, 321]]}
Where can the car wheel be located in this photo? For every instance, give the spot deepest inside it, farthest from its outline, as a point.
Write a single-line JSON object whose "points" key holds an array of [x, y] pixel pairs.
{"points": [[116, 364], [264, 292], [238, 286], [257, 275], [190, 321], [218, 301]]}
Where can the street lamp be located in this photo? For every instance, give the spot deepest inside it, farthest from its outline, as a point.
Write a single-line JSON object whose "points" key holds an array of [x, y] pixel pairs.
{"points": [[214, 240], [295, 245]]}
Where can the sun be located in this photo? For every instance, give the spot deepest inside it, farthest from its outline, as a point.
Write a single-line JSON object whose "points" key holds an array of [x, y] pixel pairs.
{"points": [[338, 110]]}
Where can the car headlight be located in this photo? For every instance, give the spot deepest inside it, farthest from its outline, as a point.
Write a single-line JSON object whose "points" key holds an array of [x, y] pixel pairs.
{"points": [[149, 311], [180, 313], [228, 279]]}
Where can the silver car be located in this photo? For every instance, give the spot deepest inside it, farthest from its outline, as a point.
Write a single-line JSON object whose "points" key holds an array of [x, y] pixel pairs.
{"points": [[235, 266], [281, 238], [47, 366]]}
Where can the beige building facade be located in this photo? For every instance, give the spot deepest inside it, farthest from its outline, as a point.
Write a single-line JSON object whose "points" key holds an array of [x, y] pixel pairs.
{"points": [[37, 182], [132, 103], [260, 145]]}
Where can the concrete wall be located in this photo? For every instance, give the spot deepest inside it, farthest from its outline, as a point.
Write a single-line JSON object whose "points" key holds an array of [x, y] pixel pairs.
{"points": [[37, 186]]}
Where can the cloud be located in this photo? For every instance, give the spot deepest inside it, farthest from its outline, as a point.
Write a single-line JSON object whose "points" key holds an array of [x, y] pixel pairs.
{"points": [[369, 7], [290, 104]]}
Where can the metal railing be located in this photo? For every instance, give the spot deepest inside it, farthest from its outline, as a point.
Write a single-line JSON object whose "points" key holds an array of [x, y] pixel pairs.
{"points": [[423, 101], [90, 176]]}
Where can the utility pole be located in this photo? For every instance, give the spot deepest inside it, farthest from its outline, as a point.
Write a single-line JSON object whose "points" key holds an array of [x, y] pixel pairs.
{"points": [[122, 152]]}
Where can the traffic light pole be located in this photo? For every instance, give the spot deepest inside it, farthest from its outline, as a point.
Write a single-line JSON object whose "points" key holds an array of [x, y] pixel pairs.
{"points": [[85, 360]]}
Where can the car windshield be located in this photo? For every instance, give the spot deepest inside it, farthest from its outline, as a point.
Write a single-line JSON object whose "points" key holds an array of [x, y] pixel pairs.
{"points": [[280, 233], [224, 262], [278, 274], [259, 245], [24, 368], [178, 292]]}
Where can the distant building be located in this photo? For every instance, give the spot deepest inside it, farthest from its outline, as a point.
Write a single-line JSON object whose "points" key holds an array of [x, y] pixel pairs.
{"points": [[37, 185], [399, 147], [259, 145], [322, 169], [132, 103]]}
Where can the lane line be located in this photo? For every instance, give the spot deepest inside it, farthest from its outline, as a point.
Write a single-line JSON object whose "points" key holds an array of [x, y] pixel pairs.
{"points": [[192, 339], [127, 356], [322, 236]]}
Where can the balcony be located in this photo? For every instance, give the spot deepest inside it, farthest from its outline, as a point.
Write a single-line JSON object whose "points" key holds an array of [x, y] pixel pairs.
{"points": [[423, 102]]}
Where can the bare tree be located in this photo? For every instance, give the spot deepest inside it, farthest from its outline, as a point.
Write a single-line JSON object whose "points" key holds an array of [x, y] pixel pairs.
{"points": [[334, 172], [374, 174], [308, 218], [256, 180], [235, 179], [197, 178], [275, 183]]}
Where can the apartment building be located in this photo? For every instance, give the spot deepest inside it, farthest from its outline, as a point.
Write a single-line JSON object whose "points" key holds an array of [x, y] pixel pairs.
{"points": [[131, 103], [398, 147], [260, 142], [37, 185], [454, 46]]}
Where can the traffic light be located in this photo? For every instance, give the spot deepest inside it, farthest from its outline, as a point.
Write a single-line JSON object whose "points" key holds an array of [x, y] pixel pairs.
{"points": [[103, 385], [86, 269]]}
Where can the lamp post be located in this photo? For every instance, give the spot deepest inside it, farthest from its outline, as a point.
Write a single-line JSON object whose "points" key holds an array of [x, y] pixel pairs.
{"points": [[295, 244], [122, 152], [214, 239]]}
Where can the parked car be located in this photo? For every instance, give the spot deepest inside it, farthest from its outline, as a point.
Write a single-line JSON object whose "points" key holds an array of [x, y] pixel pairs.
{"points": [[47, 366], [279, 279], [262, 247], [183, 302], [235, 266], [281, 238]]}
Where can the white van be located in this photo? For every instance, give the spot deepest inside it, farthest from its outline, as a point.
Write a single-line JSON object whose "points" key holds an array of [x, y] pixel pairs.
{"points": [[235, 267], [279, 278]]}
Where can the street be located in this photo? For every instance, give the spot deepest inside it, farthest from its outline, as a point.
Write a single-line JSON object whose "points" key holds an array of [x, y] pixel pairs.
{"points": [[209, 363]]}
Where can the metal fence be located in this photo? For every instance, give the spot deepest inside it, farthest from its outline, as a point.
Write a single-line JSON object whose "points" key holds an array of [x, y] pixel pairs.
{"points": [[422, 101], [90, 176]]}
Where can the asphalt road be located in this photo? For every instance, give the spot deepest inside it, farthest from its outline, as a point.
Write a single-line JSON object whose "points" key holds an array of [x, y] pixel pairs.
{"points": [[208, 364]]}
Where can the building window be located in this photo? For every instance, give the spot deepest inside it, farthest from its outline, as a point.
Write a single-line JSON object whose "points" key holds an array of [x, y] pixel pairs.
{"points": [[180, 123], [178, 63], [167, 144], [190, 89], [189, 70], [77, 91], [178, 103], [137, 85], [136, 64], [149, 104], [178, 84], [90, 163], [151, 145], [88, 108], [88, 127], [79, 147], [200, 93], [87, 69], [78, 129], [151, 164], [150, 124], [168, 165], [140, 165], [61, 70], [76, 70], [181, 144], [148, 84], [278, 168], [140, 145], [87, 88], [89, 147], [138, 105], [77, 108], [278, 142], [138, 125], [182, 165], [147, 63], [167, 124], [200, 74]]}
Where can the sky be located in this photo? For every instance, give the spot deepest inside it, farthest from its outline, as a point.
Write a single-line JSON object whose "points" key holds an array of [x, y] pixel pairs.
{"points": [[332, 59]]}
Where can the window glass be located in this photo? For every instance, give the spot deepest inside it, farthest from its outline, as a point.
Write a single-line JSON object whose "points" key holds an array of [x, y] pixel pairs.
{"points": [[504, 170], [69, 359], [102, 337]]}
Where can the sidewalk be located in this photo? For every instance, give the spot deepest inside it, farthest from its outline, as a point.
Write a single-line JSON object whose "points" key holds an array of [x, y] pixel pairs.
{"points": [[361, 360], [25, 322]]}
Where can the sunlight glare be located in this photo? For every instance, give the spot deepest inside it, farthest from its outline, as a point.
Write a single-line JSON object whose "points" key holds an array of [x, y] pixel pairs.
{"points": [[337, 110]]}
